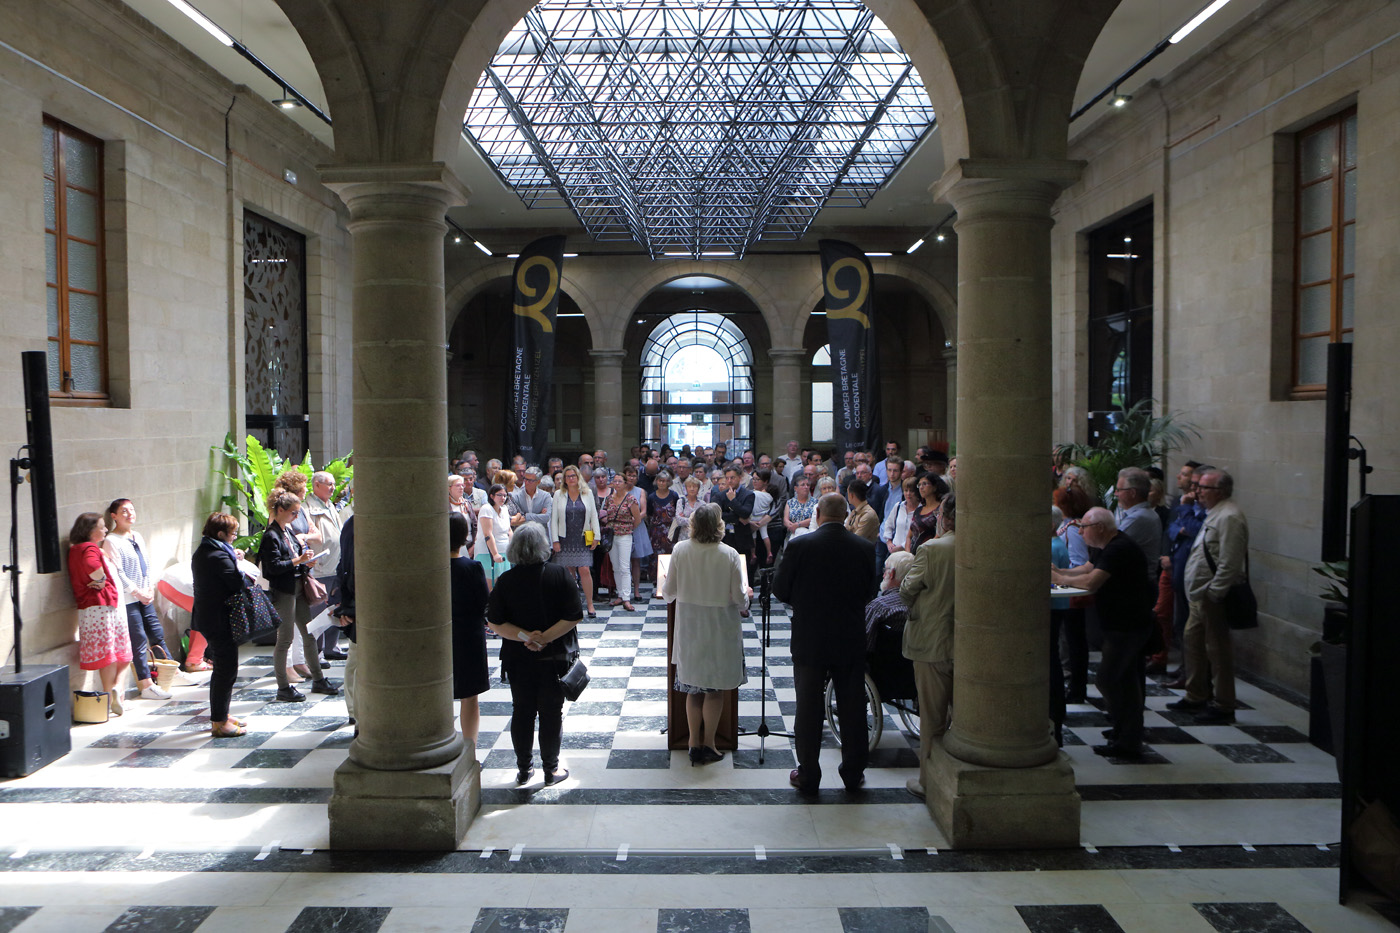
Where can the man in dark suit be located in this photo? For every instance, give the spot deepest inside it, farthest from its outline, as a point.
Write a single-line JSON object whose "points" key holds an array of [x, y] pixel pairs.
{"points": [[827, 577], [736, 502]]}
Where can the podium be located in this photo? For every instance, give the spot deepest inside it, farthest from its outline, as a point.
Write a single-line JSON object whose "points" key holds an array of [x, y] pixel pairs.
{"points": [[677, 726]]}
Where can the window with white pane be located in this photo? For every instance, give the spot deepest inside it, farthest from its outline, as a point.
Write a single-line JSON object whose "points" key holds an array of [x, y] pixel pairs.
{"points": [[821, 395], [73, 250]]}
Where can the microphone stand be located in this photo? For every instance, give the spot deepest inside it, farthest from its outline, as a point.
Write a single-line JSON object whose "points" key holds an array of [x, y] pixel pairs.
{"points": [[765, 604]]}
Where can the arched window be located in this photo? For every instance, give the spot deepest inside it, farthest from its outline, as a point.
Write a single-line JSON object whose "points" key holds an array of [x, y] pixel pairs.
{"points": [[697, 383], [821, 395]]}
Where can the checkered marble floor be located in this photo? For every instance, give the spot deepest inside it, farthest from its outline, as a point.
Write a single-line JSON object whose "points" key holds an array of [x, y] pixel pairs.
{"points": [[150, 824]]}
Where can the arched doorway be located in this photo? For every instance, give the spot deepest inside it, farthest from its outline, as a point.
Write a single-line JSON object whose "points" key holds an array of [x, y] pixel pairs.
{"points": [[697, 383]]}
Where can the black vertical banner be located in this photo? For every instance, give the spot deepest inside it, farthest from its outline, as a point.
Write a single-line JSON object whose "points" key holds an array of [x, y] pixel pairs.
{"points": [[532, 360], [850, 328]]}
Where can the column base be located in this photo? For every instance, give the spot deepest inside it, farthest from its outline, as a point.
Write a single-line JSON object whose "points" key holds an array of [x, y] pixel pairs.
{"points": [[978, 807], [426, 810]]}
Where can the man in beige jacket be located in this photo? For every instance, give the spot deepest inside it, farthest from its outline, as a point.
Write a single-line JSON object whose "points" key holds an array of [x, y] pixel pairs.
{"points": [[1217, 561], [928, 634]]}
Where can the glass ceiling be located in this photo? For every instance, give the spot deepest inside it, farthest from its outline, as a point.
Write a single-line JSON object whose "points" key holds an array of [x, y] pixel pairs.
{"points": [[698, 128]]}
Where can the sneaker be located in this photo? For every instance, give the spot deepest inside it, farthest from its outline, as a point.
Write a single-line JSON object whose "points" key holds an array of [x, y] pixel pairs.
{"points": [[556, 776], [289, 695], [915, 787], [326, 687], [154, 692]]}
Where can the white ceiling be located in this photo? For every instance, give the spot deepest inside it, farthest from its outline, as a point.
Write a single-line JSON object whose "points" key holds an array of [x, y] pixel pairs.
{"points": [[904, 203]]}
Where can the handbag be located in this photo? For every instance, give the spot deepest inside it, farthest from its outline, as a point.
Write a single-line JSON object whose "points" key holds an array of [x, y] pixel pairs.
{"points": [[1240, 606], [250, 613], [90, 707], [313, 589], [164, 669], [574, 679]]}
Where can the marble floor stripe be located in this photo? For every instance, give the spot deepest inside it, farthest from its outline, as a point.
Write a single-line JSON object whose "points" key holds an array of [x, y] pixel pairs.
{"points": [[774, 861], [152, 919], [1250, 918], [1068, 918]]}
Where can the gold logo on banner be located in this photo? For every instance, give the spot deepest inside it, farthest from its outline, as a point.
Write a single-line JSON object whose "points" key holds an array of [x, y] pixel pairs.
{"points": [[535, 312], [850, 311]]}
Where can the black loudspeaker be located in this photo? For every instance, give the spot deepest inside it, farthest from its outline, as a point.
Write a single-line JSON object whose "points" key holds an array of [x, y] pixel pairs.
{"points": [[1371, 749], [36, 415], [35, 716], [1336, 470]]}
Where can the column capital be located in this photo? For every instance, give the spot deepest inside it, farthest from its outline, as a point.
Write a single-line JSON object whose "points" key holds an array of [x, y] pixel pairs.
{"points": [[787, 354], [372, 189], [966, 182], [950, 355], [608, 355]]}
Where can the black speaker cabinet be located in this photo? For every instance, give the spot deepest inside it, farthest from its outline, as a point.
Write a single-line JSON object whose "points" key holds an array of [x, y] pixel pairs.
{"points": [[35, 716]]}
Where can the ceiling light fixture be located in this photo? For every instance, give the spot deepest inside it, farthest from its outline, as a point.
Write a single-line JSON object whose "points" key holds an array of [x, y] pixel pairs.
{"points": [[204, 22], [1196, 20], [287, 101], [481, 246], [917, 243], [1121, 100]]}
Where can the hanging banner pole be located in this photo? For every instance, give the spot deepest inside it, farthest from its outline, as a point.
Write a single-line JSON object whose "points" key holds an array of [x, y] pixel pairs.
{"points": [[536, 310], [850, 327]]}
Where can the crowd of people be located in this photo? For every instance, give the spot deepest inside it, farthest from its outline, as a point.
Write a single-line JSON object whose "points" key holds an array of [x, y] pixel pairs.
{"points": [[863, 546]]}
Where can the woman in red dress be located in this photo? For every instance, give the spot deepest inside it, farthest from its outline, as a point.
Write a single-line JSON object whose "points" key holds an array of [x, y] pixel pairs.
{"points": [[104, 644]]}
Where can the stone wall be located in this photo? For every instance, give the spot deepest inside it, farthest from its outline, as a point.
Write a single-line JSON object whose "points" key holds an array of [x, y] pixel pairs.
{"points": [[1210, 150], [178, 174]]}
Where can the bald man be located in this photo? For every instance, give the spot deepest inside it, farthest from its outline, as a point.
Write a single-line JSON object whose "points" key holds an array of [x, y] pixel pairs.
{"points": [[827, 577]]}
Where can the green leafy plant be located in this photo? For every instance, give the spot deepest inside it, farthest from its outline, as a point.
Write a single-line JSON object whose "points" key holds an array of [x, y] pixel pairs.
{"points": [[1139, 439], [257, 469], [1336, 574]]}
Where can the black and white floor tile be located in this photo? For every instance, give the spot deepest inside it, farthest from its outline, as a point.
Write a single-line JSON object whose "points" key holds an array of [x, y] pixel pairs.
{"points": [[149, 824]]}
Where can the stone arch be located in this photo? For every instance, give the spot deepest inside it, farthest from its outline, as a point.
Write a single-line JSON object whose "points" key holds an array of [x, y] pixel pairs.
{"points": [[493, 270], [659, 273], [943, 302]]}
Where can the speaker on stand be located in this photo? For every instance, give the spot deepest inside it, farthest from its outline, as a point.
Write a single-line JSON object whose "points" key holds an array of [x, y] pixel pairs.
{"points": [[35, 703]]}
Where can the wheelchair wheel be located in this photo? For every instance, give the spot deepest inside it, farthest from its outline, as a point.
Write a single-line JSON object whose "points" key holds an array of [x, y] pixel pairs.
{"points": [[874, 712], [909, 716]]}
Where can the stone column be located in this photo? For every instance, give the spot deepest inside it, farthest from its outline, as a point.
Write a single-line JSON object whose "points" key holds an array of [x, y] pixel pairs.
{"points": [[997, 779], [950, 366], [410, 781], [787, 396], [607, 404]]}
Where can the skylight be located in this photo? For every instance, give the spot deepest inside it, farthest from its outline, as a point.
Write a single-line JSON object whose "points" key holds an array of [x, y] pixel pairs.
{"points": [[698, 128]]}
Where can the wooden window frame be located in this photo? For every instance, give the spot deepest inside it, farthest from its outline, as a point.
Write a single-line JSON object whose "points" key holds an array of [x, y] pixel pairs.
{"points": [[65, 394], [1337, 277]]}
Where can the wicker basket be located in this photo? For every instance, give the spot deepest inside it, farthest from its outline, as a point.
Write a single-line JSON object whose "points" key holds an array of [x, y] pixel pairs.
{"points": [[163, 671]]}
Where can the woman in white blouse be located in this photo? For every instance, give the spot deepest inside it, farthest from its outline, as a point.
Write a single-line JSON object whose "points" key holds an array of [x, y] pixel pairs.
{"points": [[706, 583], [493, 533], [895, 529]]}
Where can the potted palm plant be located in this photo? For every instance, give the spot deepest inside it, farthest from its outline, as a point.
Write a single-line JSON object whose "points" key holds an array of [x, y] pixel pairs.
{"points": [[1139, 439]]}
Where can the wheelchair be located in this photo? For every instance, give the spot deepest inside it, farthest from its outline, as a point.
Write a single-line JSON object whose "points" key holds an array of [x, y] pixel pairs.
{"points": [[889, 681]]}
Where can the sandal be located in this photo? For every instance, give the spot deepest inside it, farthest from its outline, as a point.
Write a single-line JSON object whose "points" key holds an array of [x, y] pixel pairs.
{"points": [[628, 606], [228, 730], [615, 602]]}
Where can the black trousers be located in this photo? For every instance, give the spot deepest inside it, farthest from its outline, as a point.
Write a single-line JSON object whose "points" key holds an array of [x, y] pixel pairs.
{"points": [[810, 682], [535, 692], [1120, 680], [146, 632], [223, 654], [1076, 652]]}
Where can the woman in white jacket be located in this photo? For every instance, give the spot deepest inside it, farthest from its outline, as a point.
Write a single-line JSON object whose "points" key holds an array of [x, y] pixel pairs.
{"points": [[573, 523], [705, 581]]}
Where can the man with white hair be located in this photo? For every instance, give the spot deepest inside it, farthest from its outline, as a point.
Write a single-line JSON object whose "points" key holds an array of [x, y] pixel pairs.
{"points": [[325, 518], [794, 462], [1117, 576], [534, 503], [1218, 560]]}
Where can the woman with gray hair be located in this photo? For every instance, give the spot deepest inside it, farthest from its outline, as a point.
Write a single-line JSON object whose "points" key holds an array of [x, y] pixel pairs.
{"points": [[534, 608], [706, 583]]}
